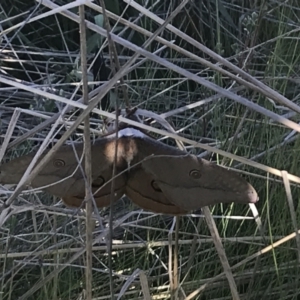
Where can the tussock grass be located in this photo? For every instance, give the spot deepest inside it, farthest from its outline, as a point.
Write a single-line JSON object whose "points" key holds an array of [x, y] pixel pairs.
{"points": [[224, 76]]}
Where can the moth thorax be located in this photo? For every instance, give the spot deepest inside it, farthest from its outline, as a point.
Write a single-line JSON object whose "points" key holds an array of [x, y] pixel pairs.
{"points": [[126, 150], [130, 150]]}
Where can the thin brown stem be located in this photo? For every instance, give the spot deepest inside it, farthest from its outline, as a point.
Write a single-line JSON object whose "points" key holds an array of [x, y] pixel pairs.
{"points": [[87, 158]]}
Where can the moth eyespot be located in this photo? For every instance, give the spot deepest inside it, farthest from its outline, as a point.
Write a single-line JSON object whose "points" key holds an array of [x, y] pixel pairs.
{"points": [[196, 174], [155, 186], [58, 163], [98, 182]]}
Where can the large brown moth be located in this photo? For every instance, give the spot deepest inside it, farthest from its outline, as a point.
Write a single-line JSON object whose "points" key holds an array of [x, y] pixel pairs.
{"points": [[155, 176]]}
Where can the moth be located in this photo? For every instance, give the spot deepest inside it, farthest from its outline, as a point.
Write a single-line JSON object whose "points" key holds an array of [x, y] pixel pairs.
{"points": [[155, 176]]}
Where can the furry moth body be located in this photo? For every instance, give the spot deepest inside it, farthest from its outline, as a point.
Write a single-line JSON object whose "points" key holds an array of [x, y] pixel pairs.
{"points": [[155, 176]]}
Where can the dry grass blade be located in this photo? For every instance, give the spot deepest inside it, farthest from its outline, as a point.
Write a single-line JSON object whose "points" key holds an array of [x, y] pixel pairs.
{"points": [[292, 209], [120, 246], [113, 55], [87, 158], [221, 252], [145, 285], [116, 66], [9, 132], [127, 284], [170, 256], [176, 270]]}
